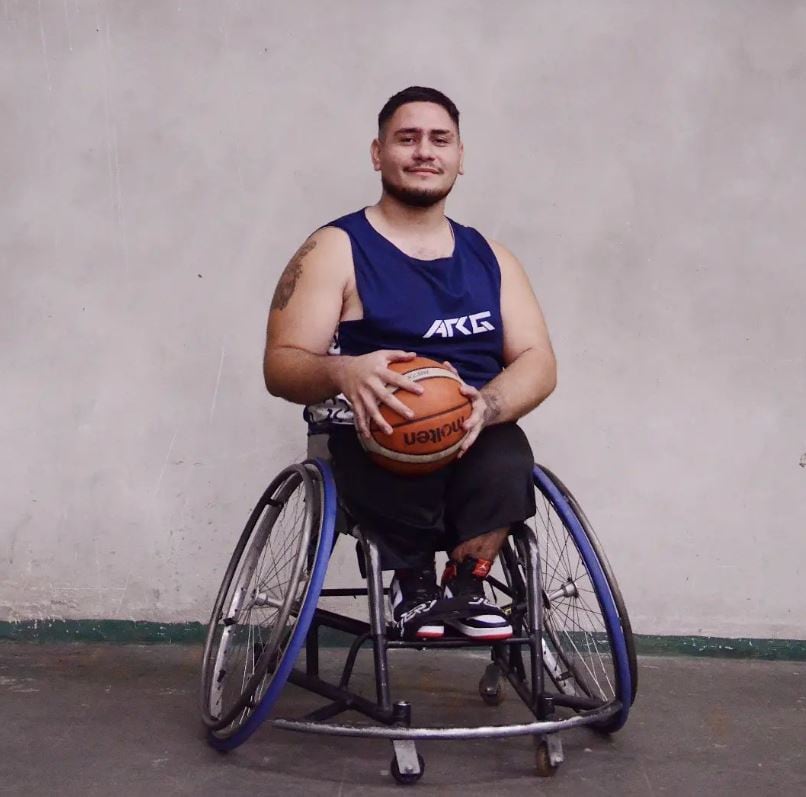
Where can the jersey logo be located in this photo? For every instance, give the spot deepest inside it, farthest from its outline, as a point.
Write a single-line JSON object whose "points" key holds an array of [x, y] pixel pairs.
{"points": [[447, 327]]}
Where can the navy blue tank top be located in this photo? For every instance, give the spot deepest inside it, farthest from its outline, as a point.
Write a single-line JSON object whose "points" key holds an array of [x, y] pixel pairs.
{"points": [[445, 309]]}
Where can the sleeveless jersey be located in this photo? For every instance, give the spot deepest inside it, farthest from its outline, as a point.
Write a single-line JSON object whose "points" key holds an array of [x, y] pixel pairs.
{"points": [[446, 309]]}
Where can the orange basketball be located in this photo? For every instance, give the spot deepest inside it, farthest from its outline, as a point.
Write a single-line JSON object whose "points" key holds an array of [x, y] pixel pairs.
{"points": [[431, 439]]}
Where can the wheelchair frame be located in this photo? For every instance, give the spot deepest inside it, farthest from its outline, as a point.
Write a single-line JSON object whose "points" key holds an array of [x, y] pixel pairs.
{"points": [[507, 660]]}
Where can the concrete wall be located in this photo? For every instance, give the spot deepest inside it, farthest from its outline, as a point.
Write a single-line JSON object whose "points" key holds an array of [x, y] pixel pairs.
{"points": [[159, 163]]}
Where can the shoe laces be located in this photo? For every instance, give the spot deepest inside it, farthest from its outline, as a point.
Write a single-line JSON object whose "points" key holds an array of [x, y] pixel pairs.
{"points": [[418, 586]]}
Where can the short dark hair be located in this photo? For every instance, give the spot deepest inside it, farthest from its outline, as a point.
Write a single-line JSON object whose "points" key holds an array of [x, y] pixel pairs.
{"points": [[416, 94]]}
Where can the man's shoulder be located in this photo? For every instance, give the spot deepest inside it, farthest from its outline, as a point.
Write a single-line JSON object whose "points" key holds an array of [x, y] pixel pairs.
{"points": [[468, 229], [347, 222], [330, 236], [328, 248], [506, 259], [475, 237]]}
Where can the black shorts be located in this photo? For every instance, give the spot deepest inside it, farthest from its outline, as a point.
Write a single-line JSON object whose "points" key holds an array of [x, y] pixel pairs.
{"points": [[412, 517]]}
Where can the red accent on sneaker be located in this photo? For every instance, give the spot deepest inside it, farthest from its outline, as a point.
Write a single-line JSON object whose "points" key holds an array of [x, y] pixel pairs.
{"points": [[482, 568], [450, 572]]}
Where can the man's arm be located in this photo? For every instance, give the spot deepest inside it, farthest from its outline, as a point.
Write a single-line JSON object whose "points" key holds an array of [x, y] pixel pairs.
{"points": [[305, 312], [530, 373]]}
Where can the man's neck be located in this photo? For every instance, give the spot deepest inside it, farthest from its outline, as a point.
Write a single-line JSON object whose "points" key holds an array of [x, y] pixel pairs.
{"points": [[397, 216]]}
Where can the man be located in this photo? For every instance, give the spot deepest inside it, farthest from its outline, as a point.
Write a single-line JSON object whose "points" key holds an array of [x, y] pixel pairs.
{"points": [[391, 281]]}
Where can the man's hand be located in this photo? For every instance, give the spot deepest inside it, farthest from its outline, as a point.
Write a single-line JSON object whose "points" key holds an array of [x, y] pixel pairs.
{"points": [[366, 380], [485, 410]]}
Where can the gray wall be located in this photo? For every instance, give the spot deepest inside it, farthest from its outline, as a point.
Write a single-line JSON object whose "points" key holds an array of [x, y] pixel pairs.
{"points": [[160, 162]]}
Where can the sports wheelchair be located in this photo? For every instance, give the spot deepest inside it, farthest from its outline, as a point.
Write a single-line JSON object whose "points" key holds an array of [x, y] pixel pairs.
{"points": [[571, 658]]}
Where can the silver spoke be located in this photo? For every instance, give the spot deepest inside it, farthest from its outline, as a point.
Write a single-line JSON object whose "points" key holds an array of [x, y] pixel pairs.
{"points": [[263, 599], [576, 631]]}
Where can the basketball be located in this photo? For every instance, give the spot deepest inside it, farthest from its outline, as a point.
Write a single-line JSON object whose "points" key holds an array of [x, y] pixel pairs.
{"points": [[431, 439]]}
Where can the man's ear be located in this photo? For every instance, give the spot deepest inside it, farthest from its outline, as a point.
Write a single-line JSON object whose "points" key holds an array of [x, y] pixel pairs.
{"points": [[461, 158], [375, 154]]}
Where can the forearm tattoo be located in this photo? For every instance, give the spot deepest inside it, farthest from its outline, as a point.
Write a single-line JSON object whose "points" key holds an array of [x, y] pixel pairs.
{"points": [[288, 279], [493, 409]]}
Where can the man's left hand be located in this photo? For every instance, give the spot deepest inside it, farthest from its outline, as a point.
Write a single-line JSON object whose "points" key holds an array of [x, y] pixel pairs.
{"points": [[478, 417]]}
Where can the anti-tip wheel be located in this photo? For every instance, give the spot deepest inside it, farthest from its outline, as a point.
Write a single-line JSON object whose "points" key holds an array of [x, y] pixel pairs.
{"points": [[407, 778], [491, 686], [492, 697], [543, 766]]}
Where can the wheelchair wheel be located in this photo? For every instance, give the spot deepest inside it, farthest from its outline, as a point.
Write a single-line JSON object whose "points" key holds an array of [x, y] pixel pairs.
{"points": [[266, 602], [588, 652], [589, 649]]}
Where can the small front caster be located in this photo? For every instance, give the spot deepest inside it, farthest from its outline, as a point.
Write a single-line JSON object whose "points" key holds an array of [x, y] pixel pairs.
{"points": [[407, 778], [491, 687], [407, 764], [492, 698], [548, 756]]}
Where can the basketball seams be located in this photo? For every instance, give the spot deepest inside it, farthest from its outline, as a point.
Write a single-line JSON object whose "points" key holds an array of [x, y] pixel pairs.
{"points": [[427, 372], [374, 426], [391, 450]]}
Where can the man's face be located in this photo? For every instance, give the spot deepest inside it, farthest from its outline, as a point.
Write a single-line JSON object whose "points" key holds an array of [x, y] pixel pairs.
{"points": [[419, 155]]}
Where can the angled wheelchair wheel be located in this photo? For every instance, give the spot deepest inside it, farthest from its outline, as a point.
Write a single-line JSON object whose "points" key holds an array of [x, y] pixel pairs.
{"points": [[266, 602], [588, 652], [588, 649]]}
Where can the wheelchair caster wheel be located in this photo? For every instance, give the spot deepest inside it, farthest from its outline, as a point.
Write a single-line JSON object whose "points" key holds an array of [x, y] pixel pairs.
{"points": [[547, 762], [491, 688], [492, 697], [407, 778]]}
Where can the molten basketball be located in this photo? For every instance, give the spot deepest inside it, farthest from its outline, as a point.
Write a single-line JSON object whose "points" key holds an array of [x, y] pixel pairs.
{"points": [[431, 439]]}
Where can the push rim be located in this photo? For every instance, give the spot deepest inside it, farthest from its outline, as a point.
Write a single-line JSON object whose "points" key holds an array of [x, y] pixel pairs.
{"points": [[260, 599], [585, 634], [256, 599], [280, 661], [607, 570]]}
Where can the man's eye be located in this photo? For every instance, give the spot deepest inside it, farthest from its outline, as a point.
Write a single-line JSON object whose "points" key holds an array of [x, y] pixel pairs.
{"points": [[406, 140], [441, 140]]}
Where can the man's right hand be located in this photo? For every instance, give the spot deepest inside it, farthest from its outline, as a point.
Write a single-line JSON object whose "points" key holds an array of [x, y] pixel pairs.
{"points": [[366, 381]]}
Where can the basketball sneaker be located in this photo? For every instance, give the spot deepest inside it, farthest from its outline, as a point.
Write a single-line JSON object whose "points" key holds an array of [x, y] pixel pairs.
{"points": [[414, 593], [463, 591]]}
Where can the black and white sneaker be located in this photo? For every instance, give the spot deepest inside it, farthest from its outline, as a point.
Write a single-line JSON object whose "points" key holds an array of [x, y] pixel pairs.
{"points": [[472, 614], [413, 594]]}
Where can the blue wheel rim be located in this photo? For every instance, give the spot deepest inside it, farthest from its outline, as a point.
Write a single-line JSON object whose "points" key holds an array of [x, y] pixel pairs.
{"points": [[597, 576], [317, 579]]}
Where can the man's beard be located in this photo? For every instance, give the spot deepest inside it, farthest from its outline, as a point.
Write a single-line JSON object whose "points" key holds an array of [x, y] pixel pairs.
{"points": [[415, 197]]}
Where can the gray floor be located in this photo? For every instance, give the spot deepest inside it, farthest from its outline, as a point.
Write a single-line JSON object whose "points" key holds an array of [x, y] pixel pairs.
{"points": [[122, 720]]}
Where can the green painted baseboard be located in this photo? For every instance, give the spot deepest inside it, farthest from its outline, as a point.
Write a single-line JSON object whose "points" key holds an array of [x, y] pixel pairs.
{"points": [[721, 647], [126, 632], [137, 632]]}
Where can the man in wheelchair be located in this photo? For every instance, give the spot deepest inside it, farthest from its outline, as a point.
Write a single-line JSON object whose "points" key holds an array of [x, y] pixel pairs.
{"points": [[381, 285]]}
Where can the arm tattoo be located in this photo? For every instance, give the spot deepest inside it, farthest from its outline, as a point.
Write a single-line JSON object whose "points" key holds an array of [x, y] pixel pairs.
{"points": [[493, 410], [288, 279]]}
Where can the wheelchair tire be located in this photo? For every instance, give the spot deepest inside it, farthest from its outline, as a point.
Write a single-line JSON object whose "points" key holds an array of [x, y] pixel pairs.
{"points": [[607, 569], [592, 642], [266, 602], [409, 778]]}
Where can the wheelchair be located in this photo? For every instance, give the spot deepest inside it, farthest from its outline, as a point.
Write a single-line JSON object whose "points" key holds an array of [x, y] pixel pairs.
{"points": [[571, 658]]}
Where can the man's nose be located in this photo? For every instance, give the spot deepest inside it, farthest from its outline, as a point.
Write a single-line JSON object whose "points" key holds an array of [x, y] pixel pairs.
{"points": [[424, 151]]}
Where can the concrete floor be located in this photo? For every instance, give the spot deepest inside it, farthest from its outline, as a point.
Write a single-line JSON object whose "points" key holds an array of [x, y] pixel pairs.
{"points": [[122, 720]]}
